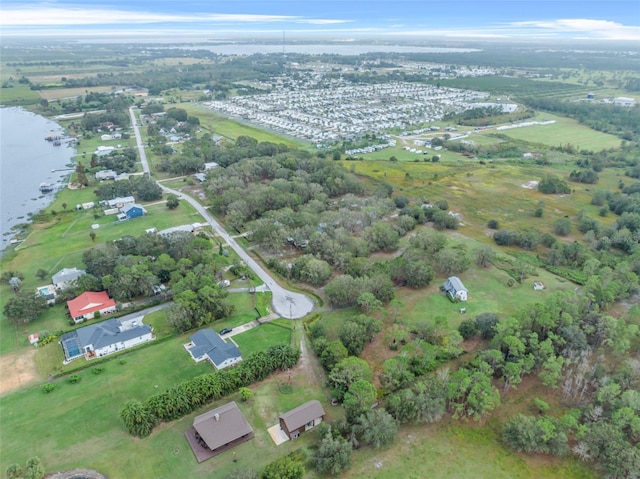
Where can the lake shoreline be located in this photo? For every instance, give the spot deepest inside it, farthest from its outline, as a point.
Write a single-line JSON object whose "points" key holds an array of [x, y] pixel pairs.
{"points": [[28, 160]]}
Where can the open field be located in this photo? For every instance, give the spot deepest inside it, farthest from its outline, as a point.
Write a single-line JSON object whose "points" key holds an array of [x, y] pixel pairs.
{"points": [[63, 93], [261, 337], [457, 451], [18, 94], [490, 191], [562, 132], [232, 129]]}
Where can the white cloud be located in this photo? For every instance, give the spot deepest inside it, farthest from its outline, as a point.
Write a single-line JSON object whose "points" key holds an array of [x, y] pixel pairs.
{"points": [[321, 21], [585, 27], [50, 16]]}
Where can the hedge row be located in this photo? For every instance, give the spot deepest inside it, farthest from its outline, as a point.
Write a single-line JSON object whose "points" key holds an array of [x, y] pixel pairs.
{"points": [[178, 401]]}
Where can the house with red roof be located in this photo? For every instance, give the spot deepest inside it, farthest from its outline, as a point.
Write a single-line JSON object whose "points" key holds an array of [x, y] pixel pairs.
{"points": [[88, 304]]}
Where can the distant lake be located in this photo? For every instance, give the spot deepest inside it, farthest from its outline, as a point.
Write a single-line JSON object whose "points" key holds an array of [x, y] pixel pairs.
{"points": [[26, 161], [344, 48]]}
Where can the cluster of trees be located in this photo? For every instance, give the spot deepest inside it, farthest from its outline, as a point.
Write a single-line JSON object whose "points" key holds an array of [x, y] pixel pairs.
{"points": [[139, 418], [584, 176], [553, 185], [132, 266], [143, 188], [416, 267], [24, 306], [123, 161], [548, 337], [246, 190]]}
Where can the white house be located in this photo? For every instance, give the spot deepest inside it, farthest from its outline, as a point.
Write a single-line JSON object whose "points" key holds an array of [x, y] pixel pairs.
{"points": [[455, 289], [107, 337], [207, 344], [538, 285]]}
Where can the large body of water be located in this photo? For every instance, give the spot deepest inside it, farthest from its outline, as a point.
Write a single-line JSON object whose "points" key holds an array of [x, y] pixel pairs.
{"points": [[26, 161]]}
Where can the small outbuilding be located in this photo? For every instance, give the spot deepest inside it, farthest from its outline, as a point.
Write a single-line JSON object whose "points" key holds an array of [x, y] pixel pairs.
{"points": [[538, 285], [217, 431], [133, 210], [455, 289], [302, 418]]}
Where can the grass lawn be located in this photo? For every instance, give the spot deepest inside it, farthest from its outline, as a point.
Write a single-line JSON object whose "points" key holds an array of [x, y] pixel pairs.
{"points": [[262, 337], [77, 425]]}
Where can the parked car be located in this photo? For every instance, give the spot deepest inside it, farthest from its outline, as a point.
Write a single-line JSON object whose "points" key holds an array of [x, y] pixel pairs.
{"points": [[226, 330]]}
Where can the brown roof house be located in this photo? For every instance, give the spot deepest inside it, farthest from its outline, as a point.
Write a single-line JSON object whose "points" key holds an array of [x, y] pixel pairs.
{"points": [[217, 431], [302, 418]]}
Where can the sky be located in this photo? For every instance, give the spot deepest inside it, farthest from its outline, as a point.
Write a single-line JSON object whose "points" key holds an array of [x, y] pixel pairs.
{"points": [[447, 19]]}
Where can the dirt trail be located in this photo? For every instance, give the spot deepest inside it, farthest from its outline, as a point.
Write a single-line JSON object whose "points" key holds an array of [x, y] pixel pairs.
{"points": [[17, 370]]}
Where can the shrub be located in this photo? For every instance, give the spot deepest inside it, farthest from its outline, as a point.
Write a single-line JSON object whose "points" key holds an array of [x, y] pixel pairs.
{"points": [[98, 370], [73, 379], [468, 328], [47, 388], [493, 224]]}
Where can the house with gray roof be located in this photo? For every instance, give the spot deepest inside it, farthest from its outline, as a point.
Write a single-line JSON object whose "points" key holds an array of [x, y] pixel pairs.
{"points": [[65, 276], [106, 175], [301, 419], [455, 289], [217, 431], [107, 337], [120, 201], [207, 344]]}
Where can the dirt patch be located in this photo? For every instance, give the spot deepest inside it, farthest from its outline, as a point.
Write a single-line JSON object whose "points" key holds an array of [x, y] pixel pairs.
{"points": [[17, 370]]}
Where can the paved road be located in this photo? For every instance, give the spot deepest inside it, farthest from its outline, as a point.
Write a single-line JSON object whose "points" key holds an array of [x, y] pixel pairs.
{"points": [[287, 304], [141, 152]]}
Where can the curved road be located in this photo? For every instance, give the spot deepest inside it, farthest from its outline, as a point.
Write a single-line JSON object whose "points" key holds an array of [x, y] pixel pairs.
{"points": [[287, 304]]}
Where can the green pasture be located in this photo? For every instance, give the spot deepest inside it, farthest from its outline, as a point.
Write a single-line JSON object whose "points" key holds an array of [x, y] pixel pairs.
{"points": [[232, 129], [562, 132], [18, 94]]}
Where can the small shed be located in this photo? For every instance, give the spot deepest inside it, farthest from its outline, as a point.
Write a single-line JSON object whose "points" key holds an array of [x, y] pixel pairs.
{"points": [[538, 285], [302, 418], [455, 289], [133, 210]]}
